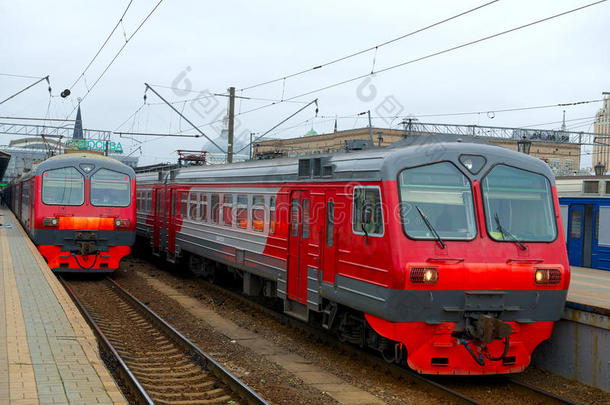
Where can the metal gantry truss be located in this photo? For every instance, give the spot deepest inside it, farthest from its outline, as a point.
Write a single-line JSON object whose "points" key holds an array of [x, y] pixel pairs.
{"points": [[66, 131]]}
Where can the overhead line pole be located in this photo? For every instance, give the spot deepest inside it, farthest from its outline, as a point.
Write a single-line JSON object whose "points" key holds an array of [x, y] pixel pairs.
{"points": [[186, 119], [284, 120], [31, 85], [231, 124]]}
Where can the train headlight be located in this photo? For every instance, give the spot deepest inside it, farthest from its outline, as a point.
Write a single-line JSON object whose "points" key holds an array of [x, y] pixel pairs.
{"points": [[423, 275], [50, 221], [121, 223], [547, 276]]}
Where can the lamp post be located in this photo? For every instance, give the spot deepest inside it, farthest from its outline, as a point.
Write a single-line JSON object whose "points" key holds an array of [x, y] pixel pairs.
{"points": [[524, 145], [600, 169]]}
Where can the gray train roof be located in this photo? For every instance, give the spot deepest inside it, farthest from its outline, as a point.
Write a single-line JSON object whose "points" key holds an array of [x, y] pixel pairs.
{"points": [[368, 165], [76, 159]]}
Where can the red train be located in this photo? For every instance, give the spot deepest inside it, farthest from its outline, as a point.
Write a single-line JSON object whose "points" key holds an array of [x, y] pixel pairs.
{"points": [[79, 210], [444, 253]]}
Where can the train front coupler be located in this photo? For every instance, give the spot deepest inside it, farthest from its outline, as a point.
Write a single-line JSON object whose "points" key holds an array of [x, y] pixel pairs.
{"points": [[478, 330]]}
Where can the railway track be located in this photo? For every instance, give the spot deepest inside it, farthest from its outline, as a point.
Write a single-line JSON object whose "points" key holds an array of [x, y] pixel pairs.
{"points": [[450, 391], [151, 360]]}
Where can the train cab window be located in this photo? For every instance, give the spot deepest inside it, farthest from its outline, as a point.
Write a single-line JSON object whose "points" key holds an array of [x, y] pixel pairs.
{"points": [[436, 202], [203, 208], [330, 223], [215, 203], [110, 189], [272, 215], [65, 186], [194, 206], [372, 194], [227, 210], [241, 213], [258, 213], [518, 205]]}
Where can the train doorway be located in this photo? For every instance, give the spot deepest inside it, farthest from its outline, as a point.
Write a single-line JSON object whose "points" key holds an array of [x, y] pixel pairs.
{"points": [[580, 234], [297, 247]]}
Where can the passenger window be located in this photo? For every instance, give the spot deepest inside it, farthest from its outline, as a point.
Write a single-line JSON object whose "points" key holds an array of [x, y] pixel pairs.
{"points": [[575, 224], [242, 211], [272, 215], [294, 217], [203, 209], [306, 218], [372, 194], [258, 213], [330, 228], [194, 206], [215, 202], [183, 205], [227, 210]]}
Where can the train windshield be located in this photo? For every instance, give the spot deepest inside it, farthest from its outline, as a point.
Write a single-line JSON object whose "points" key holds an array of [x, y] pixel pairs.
{"points": [[65, 186], [110, 189], [518, 205], [436, 202]]}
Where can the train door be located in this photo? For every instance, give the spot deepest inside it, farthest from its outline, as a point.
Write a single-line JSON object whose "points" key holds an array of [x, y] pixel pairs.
{"points": [[300, 206], [158, 220], [171, 221], [580, 234], [328, 256]]}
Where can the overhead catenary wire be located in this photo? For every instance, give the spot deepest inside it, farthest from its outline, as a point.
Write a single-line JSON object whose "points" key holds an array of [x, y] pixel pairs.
{"points": [[21, 76], [447, 50], [372, 48], [118, 53], [101, 47]]}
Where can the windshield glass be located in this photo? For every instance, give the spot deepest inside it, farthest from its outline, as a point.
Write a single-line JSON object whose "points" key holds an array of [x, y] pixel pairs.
{"points": [[444, 197], [110, 189], [65, 186], [518, 205]]}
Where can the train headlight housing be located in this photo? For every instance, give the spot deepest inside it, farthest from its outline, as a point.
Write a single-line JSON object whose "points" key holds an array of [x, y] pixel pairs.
{"points": [[121, 223], [423, 275], [50, 221], [547, 276]]}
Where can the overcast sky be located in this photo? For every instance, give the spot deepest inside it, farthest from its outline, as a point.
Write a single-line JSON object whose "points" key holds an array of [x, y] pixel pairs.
{"points": [[209, 46]]}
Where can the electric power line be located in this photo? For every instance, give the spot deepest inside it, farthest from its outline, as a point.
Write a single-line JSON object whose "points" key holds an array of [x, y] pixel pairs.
{"points": [[102, 47], [373, 48], [447, 50], [118, 53], [21, 76]]}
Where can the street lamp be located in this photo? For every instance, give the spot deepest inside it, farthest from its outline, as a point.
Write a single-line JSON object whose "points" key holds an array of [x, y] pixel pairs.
{"points": [[600, 169], [524, 145]]}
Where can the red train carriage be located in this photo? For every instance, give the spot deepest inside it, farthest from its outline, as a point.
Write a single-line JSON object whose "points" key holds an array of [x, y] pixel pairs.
{"points": [[446, 253], [79, 210]]}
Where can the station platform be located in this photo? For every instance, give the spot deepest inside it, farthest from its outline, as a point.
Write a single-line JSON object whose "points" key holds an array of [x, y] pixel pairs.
{"points": [[48, 354], [590, 290]]}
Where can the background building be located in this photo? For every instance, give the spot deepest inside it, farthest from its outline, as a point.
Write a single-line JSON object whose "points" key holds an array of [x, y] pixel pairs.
{"points": [[601, 147], [554, 147]]}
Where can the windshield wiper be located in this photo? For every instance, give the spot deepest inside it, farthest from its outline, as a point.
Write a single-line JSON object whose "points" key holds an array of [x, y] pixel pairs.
{"points": [[506, 232], [429, 225]]}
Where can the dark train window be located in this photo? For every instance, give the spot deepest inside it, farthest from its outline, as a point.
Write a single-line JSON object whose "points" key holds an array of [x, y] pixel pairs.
{"points": [[241, 213], [183, 204], [575, 224], [596, 224], [203, 208], [518, 205], [591, 187], [110, 189], [272, 217], [215, 203], [227, 210], [294, 217], [258, 213], [306, 218], [65, 186], [194, 206], [436, 199], [330, 218], [373, 195]]}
